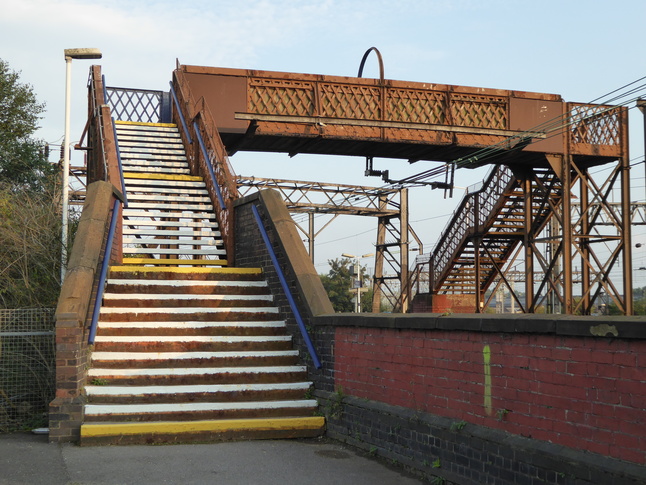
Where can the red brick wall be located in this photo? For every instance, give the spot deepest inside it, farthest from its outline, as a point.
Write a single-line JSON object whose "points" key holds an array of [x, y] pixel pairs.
{"points": [[582, 392]]}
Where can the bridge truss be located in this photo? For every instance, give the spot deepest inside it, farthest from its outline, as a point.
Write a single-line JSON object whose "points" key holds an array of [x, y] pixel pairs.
{"points": [[389, 206]]}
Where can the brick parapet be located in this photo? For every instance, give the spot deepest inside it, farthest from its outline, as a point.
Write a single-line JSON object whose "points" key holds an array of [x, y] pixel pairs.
{"points": [[575, 382], [77, 295]]}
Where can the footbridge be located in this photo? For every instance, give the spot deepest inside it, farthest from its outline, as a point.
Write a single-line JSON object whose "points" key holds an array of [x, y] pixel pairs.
{"points": [[541, 149], [182, 314]]}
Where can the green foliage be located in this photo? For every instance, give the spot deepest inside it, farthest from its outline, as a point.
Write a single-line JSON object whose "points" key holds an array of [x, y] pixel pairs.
{"points": [[339, 281], [30, 247], [23, 160], [458, 425]]}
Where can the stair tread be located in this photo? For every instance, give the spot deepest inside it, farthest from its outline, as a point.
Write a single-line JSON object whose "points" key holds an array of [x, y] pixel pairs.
{"points": [[192, 388], [102, 355], [94, 409], [187, 371]]}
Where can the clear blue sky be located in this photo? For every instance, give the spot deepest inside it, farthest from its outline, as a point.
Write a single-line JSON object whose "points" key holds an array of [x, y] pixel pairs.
{"points": [[578, 49]]}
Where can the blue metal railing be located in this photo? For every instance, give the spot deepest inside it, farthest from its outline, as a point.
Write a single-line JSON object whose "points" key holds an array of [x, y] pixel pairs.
{"points": [[209, 164], [104, 271], [181, 114], [288, 293], [116, 145]]}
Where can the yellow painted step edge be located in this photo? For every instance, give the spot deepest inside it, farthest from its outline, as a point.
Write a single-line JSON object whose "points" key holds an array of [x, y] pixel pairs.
{"points": [[172, 269], [184, 262], [162, 176], [143, 123], [171, 427]]}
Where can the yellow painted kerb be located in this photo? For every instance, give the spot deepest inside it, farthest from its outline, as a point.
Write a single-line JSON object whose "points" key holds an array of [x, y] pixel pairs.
{"points": [[171, 427], [141, 123]]}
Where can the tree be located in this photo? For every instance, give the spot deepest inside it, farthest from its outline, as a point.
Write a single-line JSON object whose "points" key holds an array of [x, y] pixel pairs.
{"points": [[30, 220], [338, 283], [23, 160]]}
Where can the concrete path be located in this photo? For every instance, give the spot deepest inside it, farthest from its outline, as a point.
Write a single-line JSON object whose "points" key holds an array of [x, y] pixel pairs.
{"points": [[27, 459]]}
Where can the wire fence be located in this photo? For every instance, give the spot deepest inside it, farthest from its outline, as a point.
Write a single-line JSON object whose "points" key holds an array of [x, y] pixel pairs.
{"points": [[27, 367]]}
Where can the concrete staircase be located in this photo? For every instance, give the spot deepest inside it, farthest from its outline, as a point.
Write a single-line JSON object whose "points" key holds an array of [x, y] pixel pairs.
{"points": [[187, 348]]}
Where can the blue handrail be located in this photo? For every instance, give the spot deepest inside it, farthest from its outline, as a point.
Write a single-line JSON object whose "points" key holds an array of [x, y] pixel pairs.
{"points": [[104, 271], [218, 192], [116, 144], [181, 115], [288, 293]]}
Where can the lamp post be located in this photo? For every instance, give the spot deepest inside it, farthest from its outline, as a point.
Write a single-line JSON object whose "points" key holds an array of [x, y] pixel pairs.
{"points": [[360, 285], [85, 53]]}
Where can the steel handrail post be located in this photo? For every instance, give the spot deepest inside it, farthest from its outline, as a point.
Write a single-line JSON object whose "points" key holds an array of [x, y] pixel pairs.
{"points": [[104, 271], [209, 165], [288, 293], [123, 183], [181, 113]]}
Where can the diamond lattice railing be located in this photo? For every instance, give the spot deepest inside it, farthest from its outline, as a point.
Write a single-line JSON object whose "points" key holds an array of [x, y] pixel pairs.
{"points": [[595, 124], [416, 106], [479, 111], [281, 97], [350, 101]]}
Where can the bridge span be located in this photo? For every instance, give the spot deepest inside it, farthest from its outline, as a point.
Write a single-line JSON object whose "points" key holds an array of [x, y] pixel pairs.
{"points": [[541, 148]]}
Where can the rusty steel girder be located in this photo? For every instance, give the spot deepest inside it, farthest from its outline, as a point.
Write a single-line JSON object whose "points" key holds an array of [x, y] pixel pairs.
{"points": [[305, 113]]}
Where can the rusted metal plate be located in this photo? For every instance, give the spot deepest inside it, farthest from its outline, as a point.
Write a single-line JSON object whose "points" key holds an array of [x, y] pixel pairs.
{"points": [[307, 113]]}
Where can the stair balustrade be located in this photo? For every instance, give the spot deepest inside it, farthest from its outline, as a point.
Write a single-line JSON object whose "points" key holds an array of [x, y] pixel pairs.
{"points": [[209, 158], [471, 216]]}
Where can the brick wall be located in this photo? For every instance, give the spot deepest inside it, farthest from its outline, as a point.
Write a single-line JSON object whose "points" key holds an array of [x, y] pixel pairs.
{"points": [[584, 393], [469, 398], [572, 390]]}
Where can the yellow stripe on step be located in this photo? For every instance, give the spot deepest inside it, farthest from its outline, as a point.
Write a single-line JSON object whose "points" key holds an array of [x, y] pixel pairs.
{"points": [[173, 269], [141, 123], [162, 176], [172, 427], [174, 261]]}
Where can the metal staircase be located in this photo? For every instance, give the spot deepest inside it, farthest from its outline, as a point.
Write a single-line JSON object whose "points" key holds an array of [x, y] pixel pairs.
{"points": [[187, 348], [486, 230]]}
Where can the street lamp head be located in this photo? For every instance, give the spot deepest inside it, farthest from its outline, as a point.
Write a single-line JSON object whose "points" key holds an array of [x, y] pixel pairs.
{"points": [[346, 255], [83, 53]]}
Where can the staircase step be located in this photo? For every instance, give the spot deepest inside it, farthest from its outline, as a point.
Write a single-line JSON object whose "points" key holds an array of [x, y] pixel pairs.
{"points": [[201, 431], [179, 301], [185, 241], [202, 216], [174, 262], [167, 185], [138, 224], [196, 393], [195, 286], [196, 375], [197, 411], [179, 251], [160, 176], [202, 198], [146, 230], [195, 359], [269, 327], [176, 206], [191, 343]]}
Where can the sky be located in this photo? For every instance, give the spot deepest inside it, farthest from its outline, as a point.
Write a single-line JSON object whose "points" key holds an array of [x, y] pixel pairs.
{"points": [[578, 49]]}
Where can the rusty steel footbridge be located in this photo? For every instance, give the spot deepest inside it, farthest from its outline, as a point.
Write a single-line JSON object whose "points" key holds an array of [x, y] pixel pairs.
{"points": [[540, 208]]}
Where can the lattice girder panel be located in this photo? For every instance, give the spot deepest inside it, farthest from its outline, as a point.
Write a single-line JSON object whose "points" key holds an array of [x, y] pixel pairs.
{"points": [[350, 101], [281, 97], [478, 111]]}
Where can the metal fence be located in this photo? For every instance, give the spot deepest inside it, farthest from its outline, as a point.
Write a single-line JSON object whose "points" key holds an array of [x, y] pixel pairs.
{"points": [[27, 367], [139, 105]]}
